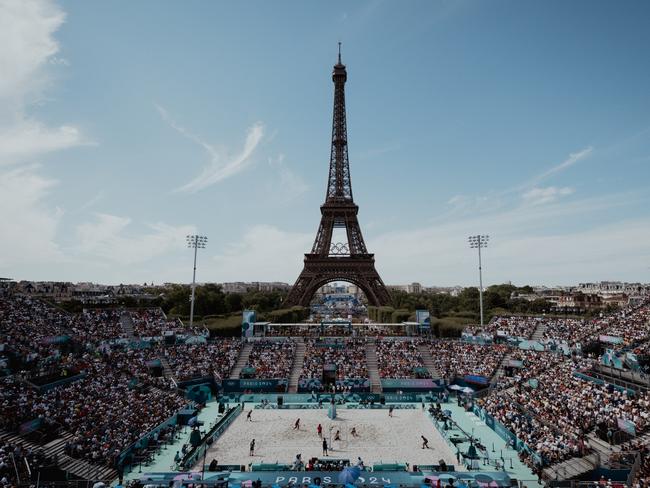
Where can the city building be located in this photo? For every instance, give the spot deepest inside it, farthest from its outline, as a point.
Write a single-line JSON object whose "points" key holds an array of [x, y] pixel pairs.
{"points": [[244, 287], [607, 288]]}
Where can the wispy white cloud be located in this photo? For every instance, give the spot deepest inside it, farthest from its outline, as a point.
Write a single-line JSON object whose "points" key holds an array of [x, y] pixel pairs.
{"points": [[219, 167], [28, 225], [291, 184], [264, 252], [460, 204], [379, 150], [112, 240], [27, 42], [540, 196], [567, 163], [529, 244], [27, 49], [26, 139], [91, 202], [29, 222]]}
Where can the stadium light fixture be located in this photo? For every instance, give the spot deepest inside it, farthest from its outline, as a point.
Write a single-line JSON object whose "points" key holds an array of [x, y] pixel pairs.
{"points": [[478, 242], [195, 242]]}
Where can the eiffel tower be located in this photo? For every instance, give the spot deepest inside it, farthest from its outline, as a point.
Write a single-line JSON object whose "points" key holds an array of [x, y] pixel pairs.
{"points": [[338, 261]]}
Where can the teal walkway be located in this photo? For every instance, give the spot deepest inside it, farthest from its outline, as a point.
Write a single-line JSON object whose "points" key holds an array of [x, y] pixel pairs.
{"points": [[164, 460], [496, 446]]}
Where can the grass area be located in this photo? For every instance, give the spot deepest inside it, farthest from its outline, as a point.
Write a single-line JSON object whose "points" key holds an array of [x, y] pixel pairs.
{"points": [[451, 326], [223, 322], [223, 325]]}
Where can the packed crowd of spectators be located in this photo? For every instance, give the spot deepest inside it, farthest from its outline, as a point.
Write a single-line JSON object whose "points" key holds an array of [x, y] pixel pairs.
{"points": [[554, 413], [151, 322], [272, 359], [570, 330], [106, 414], [513, 326], [311, 330], [193, 360], [139, 363], [98, 325], [578, 405], [399, 359], [630, 324], [348, 355], [28, 329], [105, 411], [533, 363], [551, 444], [454, 358]]}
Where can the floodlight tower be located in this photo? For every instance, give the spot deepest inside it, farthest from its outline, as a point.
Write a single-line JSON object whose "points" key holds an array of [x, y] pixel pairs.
{"points": [[477, 242], [195, 242]]}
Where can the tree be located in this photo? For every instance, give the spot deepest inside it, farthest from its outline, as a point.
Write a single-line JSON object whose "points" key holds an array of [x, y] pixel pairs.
{"points": [[468, 299], [234, 302]]}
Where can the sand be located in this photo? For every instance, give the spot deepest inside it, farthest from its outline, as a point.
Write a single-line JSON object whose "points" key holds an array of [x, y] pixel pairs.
{"points": [[381, 438]]}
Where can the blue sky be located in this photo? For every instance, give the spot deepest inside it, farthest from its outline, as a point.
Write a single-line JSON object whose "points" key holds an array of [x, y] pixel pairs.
{"points": [[126, 125]]}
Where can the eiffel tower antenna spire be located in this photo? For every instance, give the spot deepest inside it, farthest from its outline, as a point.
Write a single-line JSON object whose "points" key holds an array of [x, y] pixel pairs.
{"points": [[340, 52]]}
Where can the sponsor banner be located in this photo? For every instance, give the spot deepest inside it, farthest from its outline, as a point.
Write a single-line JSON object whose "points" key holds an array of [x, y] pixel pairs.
{"points": [[248, 323], [632, 361], [332, 344], [283, 478], [477, 339], [357, 385], [612, 359], [610, 339], [515, 363], [477, 380], [423, 318], [199, 380], [367, 478], [30, 426], [56, 339], [199, 393], [257, 385], [626, 426], [410, 384]]}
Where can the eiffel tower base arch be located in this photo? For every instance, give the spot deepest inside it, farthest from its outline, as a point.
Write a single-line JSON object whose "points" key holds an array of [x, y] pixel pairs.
{"points": [[318, 271]]}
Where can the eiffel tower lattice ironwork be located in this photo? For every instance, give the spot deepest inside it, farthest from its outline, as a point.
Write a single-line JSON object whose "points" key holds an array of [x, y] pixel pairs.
{"points": [[335, 261]]}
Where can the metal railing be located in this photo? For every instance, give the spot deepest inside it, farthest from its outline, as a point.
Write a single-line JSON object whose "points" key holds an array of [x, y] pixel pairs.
{"points": [[191, 458], [634, 469]]}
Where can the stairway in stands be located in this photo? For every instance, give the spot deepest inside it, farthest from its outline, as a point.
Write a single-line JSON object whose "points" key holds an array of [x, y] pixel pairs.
{"points": [[167, 369], [298, 362], [127, 324], [242, 360], [500, 370], [427, 360], [539, 332], [601, 447], [371, 364], [54, 449], [572, 468]]}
